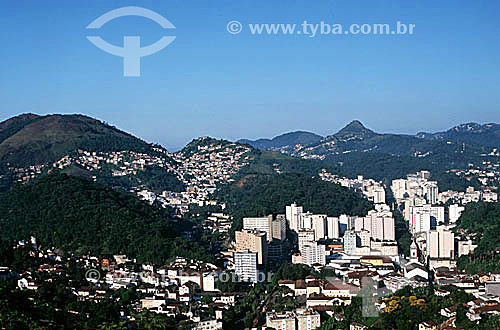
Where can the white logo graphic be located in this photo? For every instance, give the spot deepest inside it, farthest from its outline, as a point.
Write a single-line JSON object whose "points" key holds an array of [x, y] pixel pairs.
{"points": [[131, 50], [234, 27]]}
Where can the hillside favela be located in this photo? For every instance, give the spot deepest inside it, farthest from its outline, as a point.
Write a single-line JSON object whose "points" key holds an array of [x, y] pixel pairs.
{"points": [[249, 165]]}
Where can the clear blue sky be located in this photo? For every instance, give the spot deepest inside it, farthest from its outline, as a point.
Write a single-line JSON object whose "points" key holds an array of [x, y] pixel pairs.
{"points": [[210, 82]]}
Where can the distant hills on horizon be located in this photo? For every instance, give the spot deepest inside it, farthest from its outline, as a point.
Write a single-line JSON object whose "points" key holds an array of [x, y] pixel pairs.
{"points": [[470, 133], [31, 139]]}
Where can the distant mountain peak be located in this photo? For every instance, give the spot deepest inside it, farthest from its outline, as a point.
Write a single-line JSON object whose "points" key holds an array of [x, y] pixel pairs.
{"points": [[355, 129]]}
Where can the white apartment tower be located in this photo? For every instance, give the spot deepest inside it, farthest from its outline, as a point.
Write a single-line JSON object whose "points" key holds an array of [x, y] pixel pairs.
{"points": [[312, 253], [350, 242], [245, 266], [293, 216], [333, 226]]}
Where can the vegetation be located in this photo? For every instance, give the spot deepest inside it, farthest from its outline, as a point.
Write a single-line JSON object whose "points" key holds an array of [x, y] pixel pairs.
{"points": [[268, 162], [260, 195], [83, 217], [155, 178], [31, 140], [403, 236], [287, 139], [386, 167], [484, 220], [54, 306]]}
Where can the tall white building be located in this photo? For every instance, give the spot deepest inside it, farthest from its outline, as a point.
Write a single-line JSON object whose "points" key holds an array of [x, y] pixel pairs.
{"points": [[245, 266], [421, 222], [421, 213], [305, 237], [319, 226], [350, 242], [431, 192], [293, 216], [381, 223], [333, 226], [312, 253], [379, 195], [440, 243], [454, 212], [261, 224]]}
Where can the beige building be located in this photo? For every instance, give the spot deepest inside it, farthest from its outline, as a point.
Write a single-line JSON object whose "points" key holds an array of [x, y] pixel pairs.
{"points": [[281, 321], [300, 319], [307, 319], [252, 240], [441, 243], [274, 227]]}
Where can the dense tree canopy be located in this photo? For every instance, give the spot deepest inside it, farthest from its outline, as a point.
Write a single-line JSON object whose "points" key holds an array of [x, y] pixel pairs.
{"points": [[484, 220], [84, 217], [259, 195]]}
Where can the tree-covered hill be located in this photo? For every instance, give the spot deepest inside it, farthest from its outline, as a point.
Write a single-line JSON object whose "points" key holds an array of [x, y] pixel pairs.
{"points": [[287, 139], [483, 219], [469, 133], [80, 216], [259, 195], [386, 167], [30, 139]]}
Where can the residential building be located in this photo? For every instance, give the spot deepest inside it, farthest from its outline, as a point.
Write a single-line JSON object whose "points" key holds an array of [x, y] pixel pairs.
{"points": [[245, 265], [252, 240]]}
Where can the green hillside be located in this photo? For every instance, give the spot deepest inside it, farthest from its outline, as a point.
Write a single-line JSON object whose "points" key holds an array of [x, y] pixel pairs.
{"points": [[259, 195], [483, 219], [77, 215], [30, 139]]}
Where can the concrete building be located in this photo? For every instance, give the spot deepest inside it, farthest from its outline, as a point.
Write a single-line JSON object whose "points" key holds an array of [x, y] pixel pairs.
{"points": [[254, 241], [333, 227], [350, 239], [305, 237], [431, 192], [293, 216], [300, 319], [454, 212], [379, 196], [319, 226], [261, 224], [427, 216], [307, 319], [278, 227], [245, 266], [440, 244], [281, 321], [364, 238], [313, 253]]}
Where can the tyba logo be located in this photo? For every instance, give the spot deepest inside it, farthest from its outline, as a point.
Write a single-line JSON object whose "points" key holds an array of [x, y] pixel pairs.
{"points": [[131, 50]]}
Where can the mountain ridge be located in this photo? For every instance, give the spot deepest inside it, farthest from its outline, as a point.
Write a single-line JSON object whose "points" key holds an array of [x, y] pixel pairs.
{"points": [[31, 139], [291, 138]]}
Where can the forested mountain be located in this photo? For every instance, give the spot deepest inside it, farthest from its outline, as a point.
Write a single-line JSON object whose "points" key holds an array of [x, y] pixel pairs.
{"points": [[287, 139], [470, 133], [259, 195], [484, 220], [356, 149], [355, 137], [31, 139], [80, 216]]}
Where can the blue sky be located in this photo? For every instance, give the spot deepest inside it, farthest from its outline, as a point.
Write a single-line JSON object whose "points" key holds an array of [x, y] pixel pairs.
{"points": [[210, 82]]}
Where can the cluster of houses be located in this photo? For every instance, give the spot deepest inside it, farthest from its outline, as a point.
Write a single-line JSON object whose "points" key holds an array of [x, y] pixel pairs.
{"points": [[373, 190], [212, 163], [182, 287]]}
